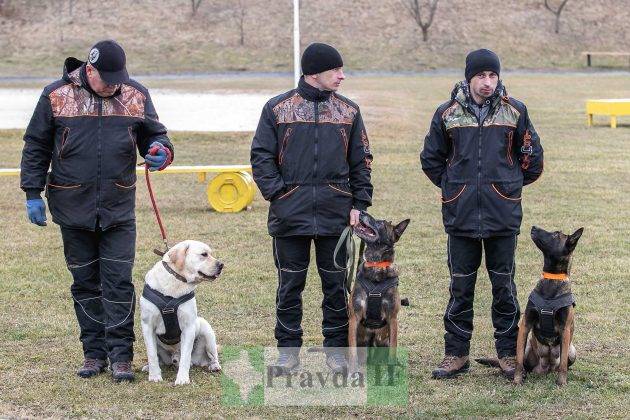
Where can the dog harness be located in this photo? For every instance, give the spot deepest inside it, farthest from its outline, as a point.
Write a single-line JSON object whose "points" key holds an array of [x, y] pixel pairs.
{"points": [[547, 309], [168, 306], [375, 292]]}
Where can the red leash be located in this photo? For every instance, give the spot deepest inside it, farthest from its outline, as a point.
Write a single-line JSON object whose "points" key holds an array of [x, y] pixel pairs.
{"points": [[155, 207]]}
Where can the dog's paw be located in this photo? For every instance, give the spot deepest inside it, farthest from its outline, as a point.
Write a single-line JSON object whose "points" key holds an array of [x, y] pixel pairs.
{"points": [[182, 380], [518, 379], [214, 368], [561, 381], [155, 378]]}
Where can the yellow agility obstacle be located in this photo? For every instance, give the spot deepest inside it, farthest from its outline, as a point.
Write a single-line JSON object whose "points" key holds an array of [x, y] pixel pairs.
{"points": [[612, 107], [232, 190]]}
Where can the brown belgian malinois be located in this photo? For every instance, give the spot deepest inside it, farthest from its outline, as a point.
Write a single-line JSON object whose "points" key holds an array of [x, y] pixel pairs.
{"points": [[550, 311], [374, 300]]}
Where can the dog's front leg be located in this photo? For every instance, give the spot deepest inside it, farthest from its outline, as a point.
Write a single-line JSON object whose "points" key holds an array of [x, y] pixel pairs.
{"points": [[393, 339], [352, 343], [186, 347], [521, 341], [150, 341], [564, 349]]}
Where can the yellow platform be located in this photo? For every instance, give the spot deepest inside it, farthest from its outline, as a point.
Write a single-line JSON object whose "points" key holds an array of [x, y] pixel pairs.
{"points": [[612, 107], [230, 191]]}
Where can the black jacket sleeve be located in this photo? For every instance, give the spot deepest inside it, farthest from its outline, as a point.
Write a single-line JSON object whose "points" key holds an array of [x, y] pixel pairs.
{"points": [[152, 129], [264, 154], [360, 163], [433, 156], [530, 150], [38, 148]]}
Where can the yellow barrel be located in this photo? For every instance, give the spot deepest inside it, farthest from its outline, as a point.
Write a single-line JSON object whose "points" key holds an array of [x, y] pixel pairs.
{"points": [[231, 192]]}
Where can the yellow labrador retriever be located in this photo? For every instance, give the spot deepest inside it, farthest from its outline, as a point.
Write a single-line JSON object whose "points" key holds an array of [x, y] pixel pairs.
{"points": [[173, 333]]}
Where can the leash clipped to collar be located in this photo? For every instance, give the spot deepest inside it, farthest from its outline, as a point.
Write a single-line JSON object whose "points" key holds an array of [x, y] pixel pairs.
{"points": [[347, 239], [555, 276], [156, 210]]}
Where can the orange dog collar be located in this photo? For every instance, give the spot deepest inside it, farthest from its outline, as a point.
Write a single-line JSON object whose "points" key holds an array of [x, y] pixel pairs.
{"points": [[555, 276], [379, 264]]}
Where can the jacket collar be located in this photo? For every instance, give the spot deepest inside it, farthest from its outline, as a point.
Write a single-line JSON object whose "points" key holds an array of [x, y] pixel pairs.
{"points": [[74, 72], [461, 94], [311, 93]]}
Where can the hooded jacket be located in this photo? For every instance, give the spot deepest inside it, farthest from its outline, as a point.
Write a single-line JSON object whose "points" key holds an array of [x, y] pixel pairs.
{"points": [[311, 159], [89, 143], [481, 164]]}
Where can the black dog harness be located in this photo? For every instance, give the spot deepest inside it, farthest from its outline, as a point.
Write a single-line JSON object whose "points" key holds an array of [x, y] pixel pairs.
{"points": [[375, 292], [168, 306], [547, 309]]}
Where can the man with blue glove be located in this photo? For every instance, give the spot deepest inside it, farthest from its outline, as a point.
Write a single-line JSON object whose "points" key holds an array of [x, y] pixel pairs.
{"points": [[86, 128]]}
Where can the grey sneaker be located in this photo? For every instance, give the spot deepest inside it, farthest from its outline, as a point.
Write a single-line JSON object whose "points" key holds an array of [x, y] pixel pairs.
{"points": [[92, 367], [451, 366], [336, 362], [121, 371], [287, 363]]}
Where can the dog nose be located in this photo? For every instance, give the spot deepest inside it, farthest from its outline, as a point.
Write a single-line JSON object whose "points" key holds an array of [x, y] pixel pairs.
{"points": [[219, 265]]}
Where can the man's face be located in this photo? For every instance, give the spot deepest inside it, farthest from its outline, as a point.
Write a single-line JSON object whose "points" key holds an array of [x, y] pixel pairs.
{"points": [[483, 84], [331, 79], [98, 85]]}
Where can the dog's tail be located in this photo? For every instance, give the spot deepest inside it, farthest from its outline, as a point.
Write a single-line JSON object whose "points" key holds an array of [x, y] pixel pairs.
{"points": [[488, 361]]}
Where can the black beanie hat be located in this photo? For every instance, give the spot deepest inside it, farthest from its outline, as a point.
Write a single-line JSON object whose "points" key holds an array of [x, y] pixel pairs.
{"points": [[319, 57], [481, 60]]}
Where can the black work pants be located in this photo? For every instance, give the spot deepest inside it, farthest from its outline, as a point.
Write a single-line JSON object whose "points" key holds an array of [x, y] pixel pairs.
{"points": [[292, 257], [464, 259], [104, 299]]}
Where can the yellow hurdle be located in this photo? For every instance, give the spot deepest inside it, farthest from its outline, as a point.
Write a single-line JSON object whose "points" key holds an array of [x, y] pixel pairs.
{"points": [[612, 107], [232, 190]]}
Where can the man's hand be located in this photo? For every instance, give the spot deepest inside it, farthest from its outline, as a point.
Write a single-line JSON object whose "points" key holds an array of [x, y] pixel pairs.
{"points": [[354, 216], [36, 211], [159, 157]]}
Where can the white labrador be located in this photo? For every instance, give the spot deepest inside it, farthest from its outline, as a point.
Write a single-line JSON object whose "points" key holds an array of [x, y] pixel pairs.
{"points": [[191, 260]]}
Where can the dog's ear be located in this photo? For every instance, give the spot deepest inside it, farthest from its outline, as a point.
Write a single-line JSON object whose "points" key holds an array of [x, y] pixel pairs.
{"points": [[177, 256], [572, 240], [400, 228]]}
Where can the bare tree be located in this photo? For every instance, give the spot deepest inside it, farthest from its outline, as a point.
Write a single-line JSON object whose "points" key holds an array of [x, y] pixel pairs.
{"points": [[556, 12], [239, 10], [195, 6], [414, 8]]}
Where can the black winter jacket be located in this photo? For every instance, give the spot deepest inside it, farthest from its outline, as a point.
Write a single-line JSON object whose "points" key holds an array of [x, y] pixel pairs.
{"points": [[90, 144], [481, 166], [311, 158]]}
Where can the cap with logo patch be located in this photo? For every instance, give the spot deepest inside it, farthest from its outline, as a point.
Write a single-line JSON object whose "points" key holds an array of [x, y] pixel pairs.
{"points": [[108, 57]]}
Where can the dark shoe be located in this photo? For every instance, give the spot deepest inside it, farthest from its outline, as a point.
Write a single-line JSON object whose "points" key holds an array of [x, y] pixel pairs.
{"points": [[92, 367], [121, 371], [508, 366], [451, 366], [337, 363], [287, 363]]}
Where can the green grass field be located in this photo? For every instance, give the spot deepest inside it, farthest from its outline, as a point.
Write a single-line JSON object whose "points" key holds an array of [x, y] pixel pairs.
{"points": [[585, 183]]}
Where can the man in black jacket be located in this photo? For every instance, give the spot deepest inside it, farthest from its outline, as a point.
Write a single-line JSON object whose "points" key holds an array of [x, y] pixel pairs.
{"points": [[87, 127], [311, 159], [481, 150]]}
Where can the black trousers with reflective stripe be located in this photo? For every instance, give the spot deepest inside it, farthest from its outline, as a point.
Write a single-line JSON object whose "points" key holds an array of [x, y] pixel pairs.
{"points": [[104, 299], [292, 257], [464, 259]]}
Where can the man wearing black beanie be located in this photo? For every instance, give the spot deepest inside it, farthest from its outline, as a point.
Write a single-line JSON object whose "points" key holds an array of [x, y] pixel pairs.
{"points": [[481, 150], [311, 160]]}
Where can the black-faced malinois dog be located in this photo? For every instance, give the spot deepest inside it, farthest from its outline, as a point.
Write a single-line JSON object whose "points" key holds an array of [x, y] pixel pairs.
{"points": [[374, 300], [549, 312]]}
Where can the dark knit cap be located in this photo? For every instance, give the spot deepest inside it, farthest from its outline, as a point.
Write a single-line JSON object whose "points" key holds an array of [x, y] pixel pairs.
{"points": [[481, 60], [320, 57]]}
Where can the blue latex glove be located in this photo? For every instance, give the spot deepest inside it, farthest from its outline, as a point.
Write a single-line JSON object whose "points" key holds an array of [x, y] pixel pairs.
{"points": [[158, 158], [36, 211]]}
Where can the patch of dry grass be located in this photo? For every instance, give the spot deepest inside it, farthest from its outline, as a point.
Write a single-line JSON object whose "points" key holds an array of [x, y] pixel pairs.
{"points": [[585, 184]]}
